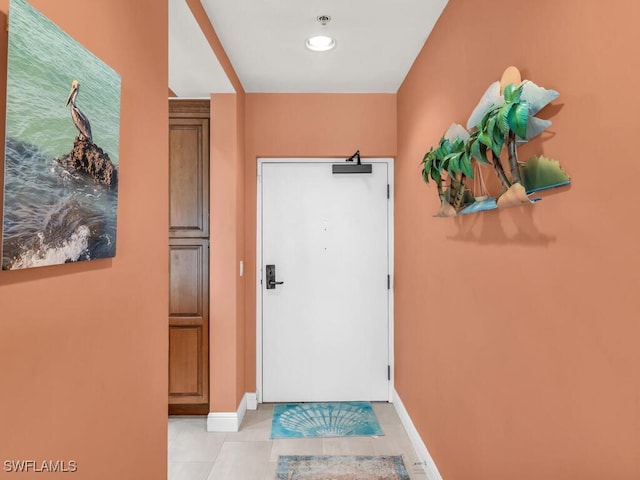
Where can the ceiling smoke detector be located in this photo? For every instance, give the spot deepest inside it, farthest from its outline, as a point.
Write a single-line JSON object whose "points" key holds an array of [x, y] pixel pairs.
{"points": [[321, 43]]}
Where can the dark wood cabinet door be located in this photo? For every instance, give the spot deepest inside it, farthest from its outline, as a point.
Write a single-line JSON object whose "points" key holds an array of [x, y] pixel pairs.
{"points": [[188, 321], [189, 257], [188, 177]]}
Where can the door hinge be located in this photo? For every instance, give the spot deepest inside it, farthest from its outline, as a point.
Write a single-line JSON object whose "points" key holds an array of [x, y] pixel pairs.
{"points": [[388, 372], [388, 282], [388, 191]]}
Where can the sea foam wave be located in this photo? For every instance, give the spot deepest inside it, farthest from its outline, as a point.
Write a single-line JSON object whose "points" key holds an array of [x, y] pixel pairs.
{"points": [[69, 251]]}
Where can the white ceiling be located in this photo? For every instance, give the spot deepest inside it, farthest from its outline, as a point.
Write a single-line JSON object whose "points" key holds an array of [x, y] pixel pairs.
{"points": [[194, 70], [377, 42]]}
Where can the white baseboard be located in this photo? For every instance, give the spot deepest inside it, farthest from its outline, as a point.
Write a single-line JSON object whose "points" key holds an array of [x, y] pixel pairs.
{"points": [[231, 421], [223, 422], [418, 444], [252, 401]]}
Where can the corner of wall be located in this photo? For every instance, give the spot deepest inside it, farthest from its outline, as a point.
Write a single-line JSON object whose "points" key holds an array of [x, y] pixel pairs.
{"points": [[419, 446], [232, 421]]}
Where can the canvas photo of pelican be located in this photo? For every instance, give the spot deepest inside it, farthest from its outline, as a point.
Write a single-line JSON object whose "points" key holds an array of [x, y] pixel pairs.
{"points": [[61, 160]]}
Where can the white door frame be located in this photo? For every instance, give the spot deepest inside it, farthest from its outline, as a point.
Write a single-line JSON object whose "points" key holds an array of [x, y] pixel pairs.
{"points": [[390, 230]]}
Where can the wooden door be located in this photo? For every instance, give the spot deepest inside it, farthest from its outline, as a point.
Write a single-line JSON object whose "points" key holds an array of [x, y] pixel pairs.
{"points": [[189, 177], [188, 257], [188, 323]]}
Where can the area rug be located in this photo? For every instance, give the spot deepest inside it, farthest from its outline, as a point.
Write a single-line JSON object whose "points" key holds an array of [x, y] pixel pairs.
{"points": [[335, 419], [341, 468]]}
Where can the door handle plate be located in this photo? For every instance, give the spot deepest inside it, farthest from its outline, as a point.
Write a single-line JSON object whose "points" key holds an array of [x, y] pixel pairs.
{"points": [[271, 277]]}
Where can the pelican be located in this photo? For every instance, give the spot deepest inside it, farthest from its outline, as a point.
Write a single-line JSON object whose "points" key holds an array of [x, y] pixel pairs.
{"points": [[79, 119]]}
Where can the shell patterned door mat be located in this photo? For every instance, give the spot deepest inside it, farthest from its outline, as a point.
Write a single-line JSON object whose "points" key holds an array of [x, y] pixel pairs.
{"points": [[341, 468], [334, 419]]}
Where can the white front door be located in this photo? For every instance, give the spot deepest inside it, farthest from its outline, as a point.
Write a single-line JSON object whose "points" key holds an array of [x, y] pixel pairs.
{"points": [[325, 329]]}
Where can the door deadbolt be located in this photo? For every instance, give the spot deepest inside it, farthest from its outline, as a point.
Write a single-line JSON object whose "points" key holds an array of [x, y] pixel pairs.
{"points": [[271, 277]]}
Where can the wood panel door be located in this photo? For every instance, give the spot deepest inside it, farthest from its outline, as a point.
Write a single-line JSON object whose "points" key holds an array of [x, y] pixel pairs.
{"points": [[188, 257], [189, 177], [188, 323]]}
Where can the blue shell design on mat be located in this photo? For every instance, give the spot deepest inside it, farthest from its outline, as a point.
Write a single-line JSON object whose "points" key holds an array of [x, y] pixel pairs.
{"points": [[334, 419]]}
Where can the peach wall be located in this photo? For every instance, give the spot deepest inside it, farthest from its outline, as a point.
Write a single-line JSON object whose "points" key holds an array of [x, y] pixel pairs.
{"points": [[306, 125], [83, 347], [517, 331], [241, 343], [226, 248]]}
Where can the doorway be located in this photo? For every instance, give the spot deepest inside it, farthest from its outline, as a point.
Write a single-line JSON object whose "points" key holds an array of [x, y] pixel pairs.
{"points": [[324, 281]]}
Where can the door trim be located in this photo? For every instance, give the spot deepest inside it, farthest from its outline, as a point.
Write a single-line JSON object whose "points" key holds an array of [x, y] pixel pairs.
{"points": [[390, 257]]}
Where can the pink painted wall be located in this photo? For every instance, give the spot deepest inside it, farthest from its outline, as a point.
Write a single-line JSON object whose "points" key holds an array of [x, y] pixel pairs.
{"points": [[306, 125], [241, 282], [83, 347], [517, 331], [227, 338]]}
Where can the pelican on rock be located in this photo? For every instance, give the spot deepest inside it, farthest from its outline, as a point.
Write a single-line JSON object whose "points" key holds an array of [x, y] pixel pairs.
{"points": [[79, 119]]}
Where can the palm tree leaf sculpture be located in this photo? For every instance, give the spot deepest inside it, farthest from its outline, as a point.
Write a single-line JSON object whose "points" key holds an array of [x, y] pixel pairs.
{"points": [[504, 117], [500, 125], [450, 161]]}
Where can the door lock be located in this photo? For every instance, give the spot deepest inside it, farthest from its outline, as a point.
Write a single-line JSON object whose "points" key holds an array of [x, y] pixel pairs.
{"points": [[271, 277]]}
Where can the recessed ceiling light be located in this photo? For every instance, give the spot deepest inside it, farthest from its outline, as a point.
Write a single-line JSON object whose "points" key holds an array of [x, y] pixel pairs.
{"points": [[320, 43]]}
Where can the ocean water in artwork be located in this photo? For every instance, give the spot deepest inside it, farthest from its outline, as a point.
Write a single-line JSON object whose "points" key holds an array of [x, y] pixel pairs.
{"points": [[52, 215]]}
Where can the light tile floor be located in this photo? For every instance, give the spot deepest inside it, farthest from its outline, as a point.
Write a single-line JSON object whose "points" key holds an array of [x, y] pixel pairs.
{"points": [[195, 454]]}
